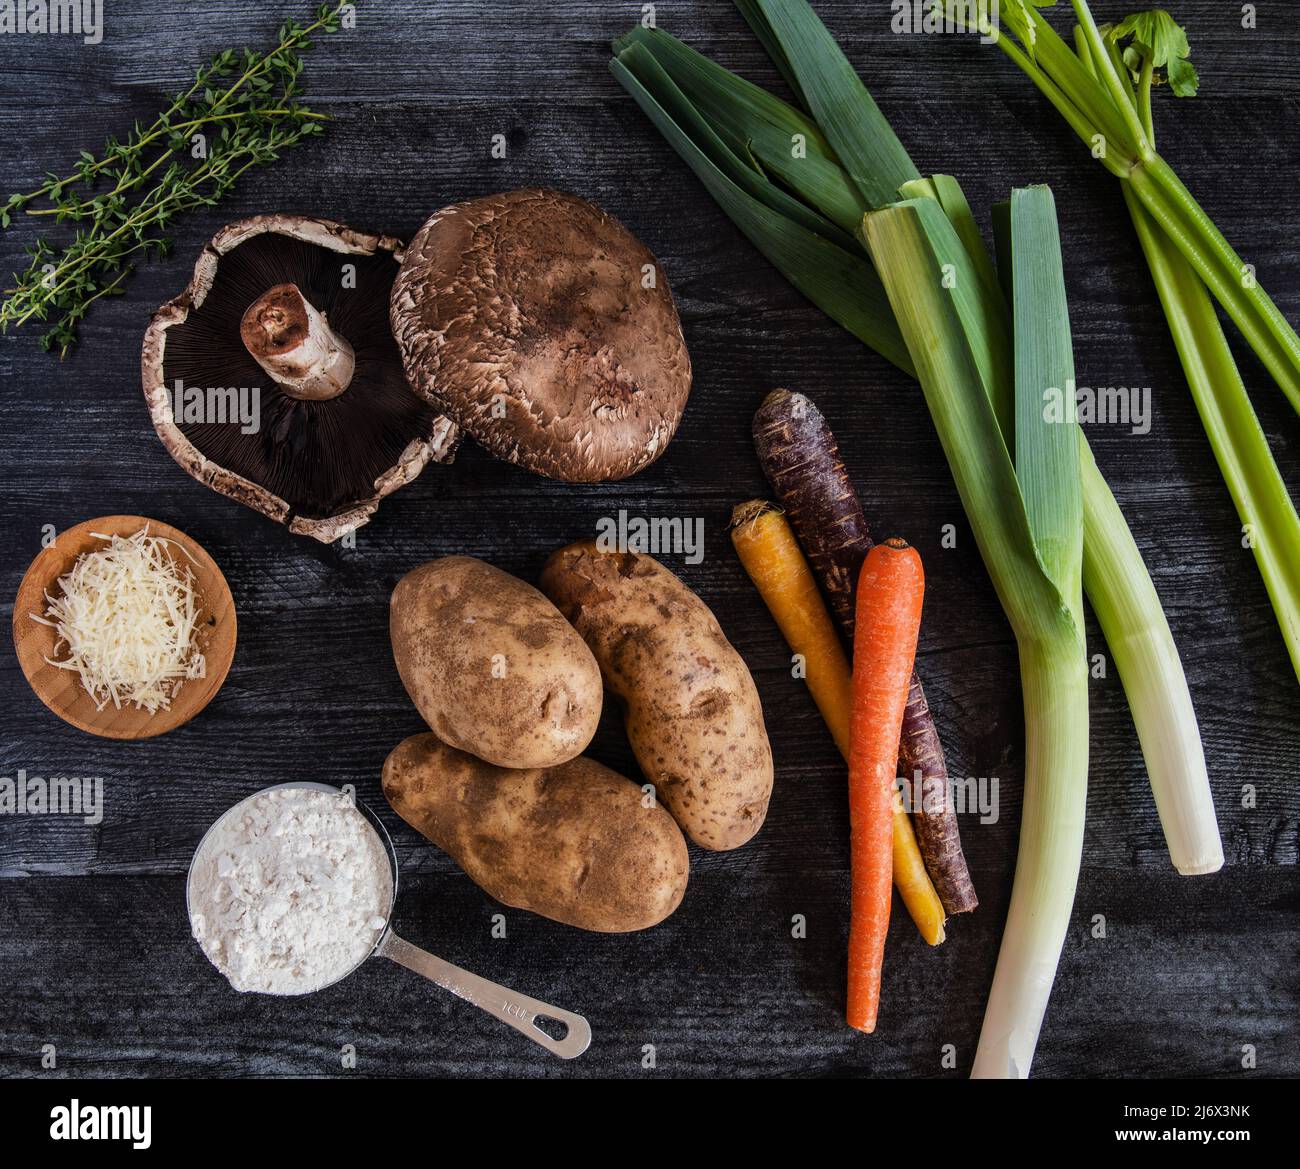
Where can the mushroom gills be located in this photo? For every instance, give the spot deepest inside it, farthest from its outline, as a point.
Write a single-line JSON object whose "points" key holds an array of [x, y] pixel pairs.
{"points": [[321, 456]]}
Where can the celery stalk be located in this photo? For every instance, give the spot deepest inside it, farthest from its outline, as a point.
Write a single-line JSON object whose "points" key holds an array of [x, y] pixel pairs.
{"points": [[1240, 447], [1091, 95], [1226, 274]]}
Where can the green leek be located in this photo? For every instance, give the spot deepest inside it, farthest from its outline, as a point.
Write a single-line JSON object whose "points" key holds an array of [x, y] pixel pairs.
{"points": [[838, 279], [780, 139], [1028, 522]]}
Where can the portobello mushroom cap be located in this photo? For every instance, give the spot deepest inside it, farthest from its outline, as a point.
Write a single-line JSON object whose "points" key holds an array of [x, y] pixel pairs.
{"points": [[546, 330], [272, 306]]}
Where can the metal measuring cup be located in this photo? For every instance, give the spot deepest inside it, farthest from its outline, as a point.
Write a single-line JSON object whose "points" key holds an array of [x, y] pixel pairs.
{"points": [[518, 1010]]}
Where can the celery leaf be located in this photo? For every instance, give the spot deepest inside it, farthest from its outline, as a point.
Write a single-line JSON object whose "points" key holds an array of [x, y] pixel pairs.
{"points": [[1156, 35]]}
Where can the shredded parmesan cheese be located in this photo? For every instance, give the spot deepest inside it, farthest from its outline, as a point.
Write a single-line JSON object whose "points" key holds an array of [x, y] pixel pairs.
{"points": [[128, 617]]}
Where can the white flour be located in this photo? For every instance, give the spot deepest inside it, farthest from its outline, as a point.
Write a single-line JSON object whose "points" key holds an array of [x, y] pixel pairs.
{"points": [[290, 891]]}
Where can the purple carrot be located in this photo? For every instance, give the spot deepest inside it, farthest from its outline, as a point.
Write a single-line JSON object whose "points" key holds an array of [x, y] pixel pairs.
{"points": [[802, 461]]}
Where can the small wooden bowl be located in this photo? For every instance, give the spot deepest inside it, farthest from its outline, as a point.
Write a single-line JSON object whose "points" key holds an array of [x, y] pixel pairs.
{"points": [[61, 690]]}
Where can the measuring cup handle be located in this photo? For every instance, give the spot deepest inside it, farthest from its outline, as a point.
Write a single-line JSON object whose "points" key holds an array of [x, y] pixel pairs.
{"points": [[520, 1011]]}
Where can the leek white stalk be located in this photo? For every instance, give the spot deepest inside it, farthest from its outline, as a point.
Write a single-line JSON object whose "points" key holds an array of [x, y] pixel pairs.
{"points": [[1143, 650], [1055, 683]]}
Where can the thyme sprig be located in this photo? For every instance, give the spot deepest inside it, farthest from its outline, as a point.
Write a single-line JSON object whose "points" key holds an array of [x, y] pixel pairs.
{"points": [[246, 106]]}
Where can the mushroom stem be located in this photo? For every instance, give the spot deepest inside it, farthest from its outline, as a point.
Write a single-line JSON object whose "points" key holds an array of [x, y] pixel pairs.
{"points": [[295, 344]]}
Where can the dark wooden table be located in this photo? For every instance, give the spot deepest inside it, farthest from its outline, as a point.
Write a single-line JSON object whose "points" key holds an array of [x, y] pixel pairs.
{"points": [[95, 953]]}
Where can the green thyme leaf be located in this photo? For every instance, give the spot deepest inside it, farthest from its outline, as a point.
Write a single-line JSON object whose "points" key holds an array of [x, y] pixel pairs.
{"points": [[241, 111]]}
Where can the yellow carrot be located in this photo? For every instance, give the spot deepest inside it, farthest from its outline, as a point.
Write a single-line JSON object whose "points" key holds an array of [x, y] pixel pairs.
{"points": [[771, 555]]}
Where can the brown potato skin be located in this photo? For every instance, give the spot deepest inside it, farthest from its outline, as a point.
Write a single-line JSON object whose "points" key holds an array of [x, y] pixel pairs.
{"points": [[448, 619], [572, 843], [692, 710]]}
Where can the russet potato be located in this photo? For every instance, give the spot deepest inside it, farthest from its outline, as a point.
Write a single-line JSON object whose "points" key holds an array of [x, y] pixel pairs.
{"points": [[577, 843], [492, 665], [693, 714]]}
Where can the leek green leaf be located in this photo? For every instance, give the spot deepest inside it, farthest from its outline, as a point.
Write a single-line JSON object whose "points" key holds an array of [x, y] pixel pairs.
{"points": [[848, 115], [1047, 429], [736, 164], [752, 11], [698, 76], [980, 304], [840, 281], [947, 192], [902, 240], [782, 140]]}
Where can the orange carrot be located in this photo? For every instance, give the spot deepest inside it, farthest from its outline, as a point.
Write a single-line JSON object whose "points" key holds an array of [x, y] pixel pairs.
{"points": [[770, 553], [890, 591]]}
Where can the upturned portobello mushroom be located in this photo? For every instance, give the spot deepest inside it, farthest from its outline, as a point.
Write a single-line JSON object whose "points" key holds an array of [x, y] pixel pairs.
{"points": [[296, 309]]}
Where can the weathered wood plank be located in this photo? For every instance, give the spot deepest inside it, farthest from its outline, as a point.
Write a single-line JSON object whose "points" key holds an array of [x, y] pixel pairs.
{"points": [[727, 989]]}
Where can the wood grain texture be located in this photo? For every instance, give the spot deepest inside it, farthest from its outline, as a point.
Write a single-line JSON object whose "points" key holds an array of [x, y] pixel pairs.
{"points": [[95, 955]]}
